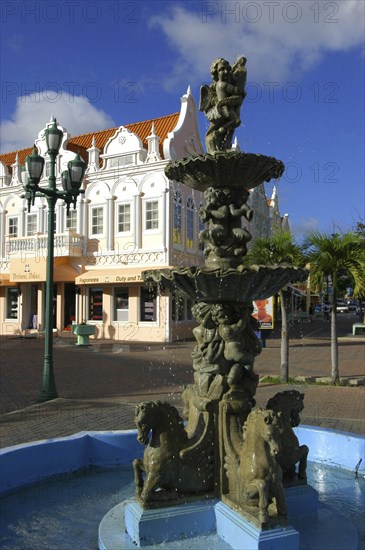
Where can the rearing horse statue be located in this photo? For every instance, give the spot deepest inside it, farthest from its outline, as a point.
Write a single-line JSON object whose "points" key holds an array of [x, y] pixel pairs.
{"points": [[253, 468], [173, 467], [290, 404]]}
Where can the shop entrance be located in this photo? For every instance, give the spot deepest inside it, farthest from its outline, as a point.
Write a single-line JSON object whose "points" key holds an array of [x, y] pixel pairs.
{"points": [[31, 317], [69, 309]]}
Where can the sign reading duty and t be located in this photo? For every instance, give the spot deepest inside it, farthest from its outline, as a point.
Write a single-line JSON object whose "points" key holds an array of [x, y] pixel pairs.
{"points": [[263, 311]]}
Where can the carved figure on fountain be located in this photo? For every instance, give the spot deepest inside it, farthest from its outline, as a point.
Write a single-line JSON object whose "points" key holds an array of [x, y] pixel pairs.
{"points": [[225, 241], [240, 346], [208, 360], [226, 347], [221, 102], [254, 476], [290, 404], [175, 468]]}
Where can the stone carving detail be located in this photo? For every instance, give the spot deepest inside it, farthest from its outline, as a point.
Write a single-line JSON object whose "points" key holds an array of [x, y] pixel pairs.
{"points": [[174, 466], [290, 404], [221, 102], [255, 477], [226, 346], [224, 236]]}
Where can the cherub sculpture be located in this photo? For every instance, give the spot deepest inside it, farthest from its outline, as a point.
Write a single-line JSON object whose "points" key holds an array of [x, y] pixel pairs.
{"points": [[235, 328], [221, 102]]}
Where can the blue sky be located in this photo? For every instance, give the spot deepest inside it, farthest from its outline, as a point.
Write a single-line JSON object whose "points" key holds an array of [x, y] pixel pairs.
{"points": [[96, 64]]}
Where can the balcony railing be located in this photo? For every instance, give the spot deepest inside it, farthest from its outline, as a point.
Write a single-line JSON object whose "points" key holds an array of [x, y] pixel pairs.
{"points": [[65, 244]]}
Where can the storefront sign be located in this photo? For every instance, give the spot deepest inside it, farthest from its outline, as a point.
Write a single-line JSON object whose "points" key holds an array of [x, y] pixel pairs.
{"points": [[28, 270], [91, 280]]}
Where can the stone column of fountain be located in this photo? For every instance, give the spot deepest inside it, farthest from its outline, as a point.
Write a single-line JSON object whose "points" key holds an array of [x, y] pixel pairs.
{"points": [[227, 451]]}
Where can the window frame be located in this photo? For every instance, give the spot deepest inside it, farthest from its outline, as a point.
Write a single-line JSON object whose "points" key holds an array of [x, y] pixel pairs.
{"points": [[33, 215], [125, 290], [8, 304], [124, 204], [11, 234], [177, 226], [72, 211], [201, 227], [151, 229], [97, 289], [154, 321], [92, 210], [190, 223]]}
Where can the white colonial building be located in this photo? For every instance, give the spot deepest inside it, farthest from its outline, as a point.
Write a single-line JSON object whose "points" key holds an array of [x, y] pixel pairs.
{"points": [[131, 218]]}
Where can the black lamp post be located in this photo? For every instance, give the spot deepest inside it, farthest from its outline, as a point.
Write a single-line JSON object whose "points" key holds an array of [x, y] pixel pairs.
{"points": [[71, 182]]}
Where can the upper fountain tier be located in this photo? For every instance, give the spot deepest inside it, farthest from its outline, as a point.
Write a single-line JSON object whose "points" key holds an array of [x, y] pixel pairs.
{"points": [[231, 169]]}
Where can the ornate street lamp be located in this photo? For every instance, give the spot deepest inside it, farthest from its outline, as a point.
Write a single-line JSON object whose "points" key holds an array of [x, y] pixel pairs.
{"points": [[71, 189]]}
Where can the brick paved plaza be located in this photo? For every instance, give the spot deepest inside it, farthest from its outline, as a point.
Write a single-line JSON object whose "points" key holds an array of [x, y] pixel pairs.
{"points": [[99, 385]]}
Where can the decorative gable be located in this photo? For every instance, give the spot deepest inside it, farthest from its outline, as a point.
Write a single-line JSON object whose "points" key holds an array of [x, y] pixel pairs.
{"points": [[184, 141], [123, 149]]}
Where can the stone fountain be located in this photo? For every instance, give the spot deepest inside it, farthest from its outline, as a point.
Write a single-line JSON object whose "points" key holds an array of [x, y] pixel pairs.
{"points": [[226, 458]]}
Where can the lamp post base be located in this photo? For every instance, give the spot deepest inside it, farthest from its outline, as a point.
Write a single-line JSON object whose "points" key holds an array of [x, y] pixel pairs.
{"points": [[47, 396]]}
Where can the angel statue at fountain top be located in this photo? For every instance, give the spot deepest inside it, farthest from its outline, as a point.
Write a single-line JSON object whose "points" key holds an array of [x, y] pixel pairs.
{"points": [[221, 102]]}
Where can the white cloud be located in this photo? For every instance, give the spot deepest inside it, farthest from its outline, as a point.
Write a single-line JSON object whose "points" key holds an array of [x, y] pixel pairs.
{"points": [[286, 38], [32, 112]]}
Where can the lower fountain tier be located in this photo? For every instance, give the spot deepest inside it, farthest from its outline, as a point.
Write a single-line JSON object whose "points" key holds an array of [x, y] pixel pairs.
{"points": [[243, 284]]}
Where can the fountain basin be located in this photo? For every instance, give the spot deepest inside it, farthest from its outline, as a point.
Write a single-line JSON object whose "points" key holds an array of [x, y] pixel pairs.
{"points": [[243, 284], [24, 464], [31, 462]]}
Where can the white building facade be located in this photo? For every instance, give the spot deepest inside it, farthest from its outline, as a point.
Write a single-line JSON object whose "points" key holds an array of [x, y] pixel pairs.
{"points": [[131, 218]]}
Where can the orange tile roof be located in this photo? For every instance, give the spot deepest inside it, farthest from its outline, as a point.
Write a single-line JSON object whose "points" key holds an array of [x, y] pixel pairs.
{"points": [[163, 125]]}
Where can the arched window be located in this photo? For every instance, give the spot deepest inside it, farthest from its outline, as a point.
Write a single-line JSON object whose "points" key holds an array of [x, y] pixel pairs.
{"points": [[177, 218], [190, 223]]}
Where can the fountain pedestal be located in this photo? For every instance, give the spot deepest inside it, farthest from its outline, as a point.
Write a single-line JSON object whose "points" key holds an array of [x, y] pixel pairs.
{"points": [[202, 518], [146, 527], [239, 533]]}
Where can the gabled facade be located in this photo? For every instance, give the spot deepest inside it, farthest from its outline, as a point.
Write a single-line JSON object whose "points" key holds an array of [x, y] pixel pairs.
{"points": [[131, 218], [277, 222]]}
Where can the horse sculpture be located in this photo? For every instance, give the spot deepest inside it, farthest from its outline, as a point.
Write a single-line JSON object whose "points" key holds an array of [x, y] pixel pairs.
{"points": [[172, 469], [259, 472], [290, 404], [255, 478]]}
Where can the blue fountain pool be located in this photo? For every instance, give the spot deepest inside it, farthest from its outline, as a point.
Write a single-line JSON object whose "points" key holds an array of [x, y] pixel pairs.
{"points": [[56, 492], [64, 512]]}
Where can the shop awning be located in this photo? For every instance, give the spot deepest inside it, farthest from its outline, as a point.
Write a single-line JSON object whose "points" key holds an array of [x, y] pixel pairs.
{"points": [[107, 276], [296, 291], [31, 270]]}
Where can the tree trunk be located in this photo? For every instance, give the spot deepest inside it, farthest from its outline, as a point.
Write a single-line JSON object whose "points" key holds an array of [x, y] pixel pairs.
{"points": [[284, 368], [335, 374]]}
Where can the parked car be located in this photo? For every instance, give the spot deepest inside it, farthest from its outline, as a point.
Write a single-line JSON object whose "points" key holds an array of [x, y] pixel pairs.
{"points": [[352, 305], [362, 307], [342, 307]]}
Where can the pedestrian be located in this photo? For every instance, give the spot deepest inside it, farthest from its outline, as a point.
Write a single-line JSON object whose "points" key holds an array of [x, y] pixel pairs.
{"points": [[326, 311]]}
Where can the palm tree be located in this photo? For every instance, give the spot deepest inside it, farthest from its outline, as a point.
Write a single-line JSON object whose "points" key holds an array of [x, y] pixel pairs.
{"points": [[332, 255], [280, 248]]}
